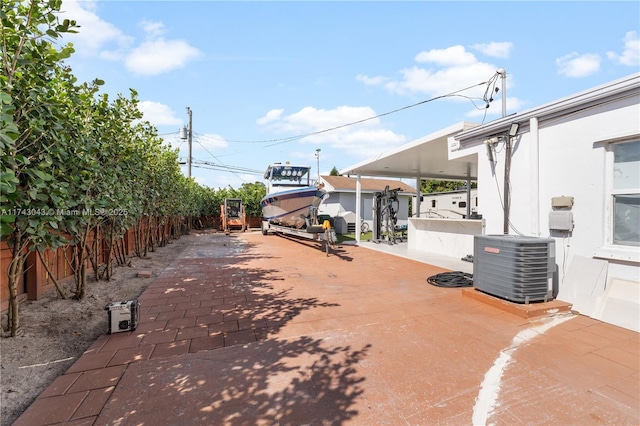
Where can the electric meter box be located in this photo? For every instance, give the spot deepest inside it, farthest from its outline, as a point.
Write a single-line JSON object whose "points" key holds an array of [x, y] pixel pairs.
{"points": [[122, 316]]}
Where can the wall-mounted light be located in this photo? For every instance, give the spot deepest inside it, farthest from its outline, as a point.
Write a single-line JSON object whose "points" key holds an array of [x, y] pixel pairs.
{"points": [[513, 130]]}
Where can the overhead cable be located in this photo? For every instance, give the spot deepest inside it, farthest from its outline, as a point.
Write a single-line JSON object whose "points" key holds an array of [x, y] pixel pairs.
{"points": [[279, 141]]}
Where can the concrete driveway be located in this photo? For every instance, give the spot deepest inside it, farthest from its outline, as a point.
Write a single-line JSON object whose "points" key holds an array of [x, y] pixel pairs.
{"points": [[249, 329]]}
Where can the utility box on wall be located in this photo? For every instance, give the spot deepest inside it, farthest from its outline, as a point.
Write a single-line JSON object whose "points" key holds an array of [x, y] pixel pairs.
{"points": [[561, 220], [516, 268], [560, 216]]}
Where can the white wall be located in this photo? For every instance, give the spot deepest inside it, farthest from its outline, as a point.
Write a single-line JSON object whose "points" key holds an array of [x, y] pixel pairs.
{"points": [[445, 237], [572, 162]]}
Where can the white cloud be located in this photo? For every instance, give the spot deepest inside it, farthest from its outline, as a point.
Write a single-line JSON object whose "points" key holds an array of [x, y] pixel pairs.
{"points": [[159, 114], [417, 80], [443, 71], [159, 56], [371, 81], [209, 142], [631, 52], [364, 143], [495, 49], [152, 28], [576, 65], [94, 35], [451, 71], [451, 56], [361, 140], [272, 115]]}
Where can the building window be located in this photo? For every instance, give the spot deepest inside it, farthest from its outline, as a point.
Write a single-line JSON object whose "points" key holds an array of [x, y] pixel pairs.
{"points": [[625, 194]]}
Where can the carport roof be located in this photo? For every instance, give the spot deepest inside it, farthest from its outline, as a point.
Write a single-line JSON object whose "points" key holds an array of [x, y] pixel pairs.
{"points": [[346, 184], [427, 157]]}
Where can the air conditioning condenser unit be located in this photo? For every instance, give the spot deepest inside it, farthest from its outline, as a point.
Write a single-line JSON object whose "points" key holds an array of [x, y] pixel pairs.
{"points": [[516, 268]]}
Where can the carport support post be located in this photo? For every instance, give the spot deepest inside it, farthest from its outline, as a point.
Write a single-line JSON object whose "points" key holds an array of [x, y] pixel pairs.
{"points": [[468, 191], [416, 213], [358, 208]]}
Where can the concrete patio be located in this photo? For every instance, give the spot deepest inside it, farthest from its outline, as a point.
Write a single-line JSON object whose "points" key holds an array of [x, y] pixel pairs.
{"points": [[249, 329]]}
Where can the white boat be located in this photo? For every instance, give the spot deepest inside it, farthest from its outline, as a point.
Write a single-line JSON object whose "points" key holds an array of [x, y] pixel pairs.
{"points": [[291, 199]]}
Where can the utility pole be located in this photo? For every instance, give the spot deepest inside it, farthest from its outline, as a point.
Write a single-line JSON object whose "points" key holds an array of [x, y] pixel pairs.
{"points": [[507, 184], [503, 77], [507, 157], [318, 157], [190, 140]]}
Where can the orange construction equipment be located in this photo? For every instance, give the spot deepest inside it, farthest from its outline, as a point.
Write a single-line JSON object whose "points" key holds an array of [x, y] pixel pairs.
{"points": [[232, 215]]}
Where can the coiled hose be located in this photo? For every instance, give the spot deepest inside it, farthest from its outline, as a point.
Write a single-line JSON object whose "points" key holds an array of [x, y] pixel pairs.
{"points": [[451, 279]]}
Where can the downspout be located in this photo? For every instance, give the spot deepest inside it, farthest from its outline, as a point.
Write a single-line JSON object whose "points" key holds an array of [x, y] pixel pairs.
{"points": [[468, 191], [507, 190], [358, 208], [534, 154]]}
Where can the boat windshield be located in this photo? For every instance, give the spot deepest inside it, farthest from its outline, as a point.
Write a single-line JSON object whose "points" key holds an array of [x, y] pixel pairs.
{"points": [[286, 173]]}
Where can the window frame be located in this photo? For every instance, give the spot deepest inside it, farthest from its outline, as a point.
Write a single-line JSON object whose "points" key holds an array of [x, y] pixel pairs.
{"points": [[611, 250]]}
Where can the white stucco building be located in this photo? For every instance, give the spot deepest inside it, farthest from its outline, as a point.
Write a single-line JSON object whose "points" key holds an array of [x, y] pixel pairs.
{"points": [[586, 148], [572, 174]]}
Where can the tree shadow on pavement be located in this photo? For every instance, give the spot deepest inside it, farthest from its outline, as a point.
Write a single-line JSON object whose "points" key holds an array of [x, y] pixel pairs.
{"points": [[261, 375], [292, 381]]}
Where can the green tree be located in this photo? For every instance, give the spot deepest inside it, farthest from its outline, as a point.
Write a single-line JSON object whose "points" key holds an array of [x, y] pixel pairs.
{"points": [[77, 167], [252, 194], [431, 186], [334, 172], [32, 79]]}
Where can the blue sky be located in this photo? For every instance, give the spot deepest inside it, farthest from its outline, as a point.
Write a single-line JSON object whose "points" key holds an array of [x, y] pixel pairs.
{"points": [[258, 74]]}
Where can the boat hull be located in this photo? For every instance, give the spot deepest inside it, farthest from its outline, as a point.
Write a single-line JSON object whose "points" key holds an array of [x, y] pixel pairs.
{"points": [[291, 207]]}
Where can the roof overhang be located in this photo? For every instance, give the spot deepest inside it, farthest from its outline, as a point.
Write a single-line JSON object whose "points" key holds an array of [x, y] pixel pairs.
{"points": [[426, 157]]}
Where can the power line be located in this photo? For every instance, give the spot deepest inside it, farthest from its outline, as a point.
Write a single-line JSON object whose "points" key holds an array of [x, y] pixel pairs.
{"points": [[225, 167], [228, 168], [374, 117], [487, 98], [279, 141]]}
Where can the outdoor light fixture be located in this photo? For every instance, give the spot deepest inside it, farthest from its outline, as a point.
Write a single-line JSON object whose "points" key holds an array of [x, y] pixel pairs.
{"points": [[513, 130]]}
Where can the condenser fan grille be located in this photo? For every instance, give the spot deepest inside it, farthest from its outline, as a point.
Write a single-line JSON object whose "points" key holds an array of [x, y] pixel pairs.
{"points": [[516, 268]]}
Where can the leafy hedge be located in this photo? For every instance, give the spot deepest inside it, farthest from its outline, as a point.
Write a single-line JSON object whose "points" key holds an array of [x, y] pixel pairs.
{"points": [[73, 160]]}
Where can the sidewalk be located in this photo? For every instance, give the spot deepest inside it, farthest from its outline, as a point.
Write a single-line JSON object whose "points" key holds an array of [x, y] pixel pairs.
{"points": [[263, 330]]}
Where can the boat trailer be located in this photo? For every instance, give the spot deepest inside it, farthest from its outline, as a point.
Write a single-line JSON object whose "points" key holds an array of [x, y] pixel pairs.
{"points": [[313, 231]]}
